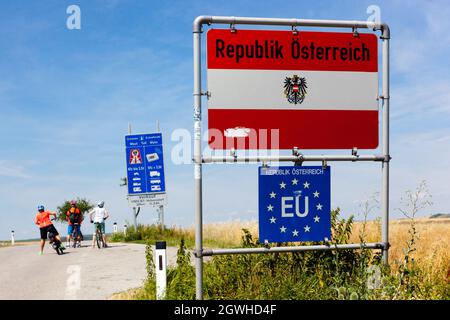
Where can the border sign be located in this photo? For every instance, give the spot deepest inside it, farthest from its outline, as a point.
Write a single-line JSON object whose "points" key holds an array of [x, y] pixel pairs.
{"points": [[315, 90], [145, 169], [294, 204], [296, 91]]}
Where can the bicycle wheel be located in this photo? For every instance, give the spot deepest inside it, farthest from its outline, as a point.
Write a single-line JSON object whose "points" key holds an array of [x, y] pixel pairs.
{"points": [[74, 237], [98, 236], [103, 242]]}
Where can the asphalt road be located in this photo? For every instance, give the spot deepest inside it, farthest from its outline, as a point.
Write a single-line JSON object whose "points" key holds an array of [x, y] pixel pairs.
{"points": [[82, 273]]}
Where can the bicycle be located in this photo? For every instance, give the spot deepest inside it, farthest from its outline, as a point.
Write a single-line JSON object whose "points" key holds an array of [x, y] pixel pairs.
{"points": [[76, 241], [54, 242], [99, 235]]}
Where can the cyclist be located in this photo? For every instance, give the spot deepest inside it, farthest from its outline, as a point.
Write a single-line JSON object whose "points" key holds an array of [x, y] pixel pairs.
{"points": [[45, 226], [74, 219], [98, 216]]}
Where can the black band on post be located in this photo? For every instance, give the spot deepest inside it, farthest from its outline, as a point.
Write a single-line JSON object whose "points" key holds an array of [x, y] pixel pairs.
{"points": [[160, 245]]}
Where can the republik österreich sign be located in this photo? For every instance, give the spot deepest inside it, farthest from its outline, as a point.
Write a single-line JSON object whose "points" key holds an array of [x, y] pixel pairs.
{"points": [[273, 49], [314, 90]]}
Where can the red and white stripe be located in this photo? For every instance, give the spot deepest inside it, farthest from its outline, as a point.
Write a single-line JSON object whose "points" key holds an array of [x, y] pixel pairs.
{"points": [[340, 108]]}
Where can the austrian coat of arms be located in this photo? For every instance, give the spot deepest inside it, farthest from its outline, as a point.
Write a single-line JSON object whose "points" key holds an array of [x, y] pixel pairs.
{"points": [[295, 89]]}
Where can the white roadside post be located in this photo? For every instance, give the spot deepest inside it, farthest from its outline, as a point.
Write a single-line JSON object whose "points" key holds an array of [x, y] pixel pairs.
{"points": [[161, 270], [12, 237], [115, 227], [125, 230]]}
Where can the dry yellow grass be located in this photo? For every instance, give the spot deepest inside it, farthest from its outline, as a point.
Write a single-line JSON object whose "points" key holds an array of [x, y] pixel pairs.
{"points": [[229, 232], [432, 245], [5, 244], [126, 295]]}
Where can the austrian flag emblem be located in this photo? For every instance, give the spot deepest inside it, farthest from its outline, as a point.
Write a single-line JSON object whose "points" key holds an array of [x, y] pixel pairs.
{"points": [[295, 89]]}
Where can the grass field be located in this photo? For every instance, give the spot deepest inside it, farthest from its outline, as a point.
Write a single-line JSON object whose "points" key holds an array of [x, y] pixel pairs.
{"points": [[4, 244], [432, 246], [419, 260]]}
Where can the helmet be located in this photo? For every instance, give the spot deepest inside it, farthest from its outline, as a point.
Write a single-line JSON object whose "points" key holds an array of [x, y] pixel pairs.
{"points": [[73, 203], [101, 204], [40, 207]]}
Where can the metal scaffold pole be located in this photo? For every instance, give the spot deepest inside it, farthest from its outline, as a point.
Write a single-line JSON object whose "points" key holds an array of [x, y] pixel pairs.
{"points": [[198, 167], [385, 136]]}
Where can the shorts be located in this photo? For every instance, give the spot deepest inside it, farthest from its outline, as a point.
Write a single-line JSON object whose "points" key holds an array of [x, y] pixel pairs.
{"points": [[102, 226], [45, 230], [70, 229]]}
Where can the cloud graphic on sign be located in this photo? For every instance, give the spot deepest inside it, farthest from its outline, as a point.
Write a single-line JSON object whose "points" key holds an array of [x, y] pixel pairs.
{"points": [[237, 132]]}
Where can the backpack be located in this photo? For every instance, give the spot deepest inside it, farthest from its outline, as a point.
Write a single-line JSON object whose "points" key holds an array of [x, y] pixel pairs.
{"points": [[73, 216]]}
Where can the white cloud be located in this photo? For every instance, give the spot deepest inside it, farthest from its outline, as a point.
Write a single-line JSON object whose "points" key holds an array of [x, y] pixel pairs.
{"points": [[9, 169], [420, 96], [438, 22]]}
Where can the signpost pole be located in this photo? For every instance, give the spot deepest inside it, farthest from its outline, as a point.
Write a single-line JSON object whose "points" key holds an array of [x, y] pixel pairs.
{"points": [[161, 216], [385, 136], [198, 163], [161, 207], [134, 208], [135, 218]]}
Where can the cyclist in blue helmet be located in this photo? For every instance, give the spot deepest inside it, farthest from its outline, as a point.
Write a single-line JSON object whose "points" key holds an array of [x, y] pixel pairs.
{"points": [[45, 226]]}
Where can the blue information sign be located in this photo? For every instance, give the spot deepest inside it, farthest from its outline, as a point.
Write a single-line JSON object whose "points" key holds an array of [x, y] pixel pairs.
{"points": [[145, 163], [294, 204]]}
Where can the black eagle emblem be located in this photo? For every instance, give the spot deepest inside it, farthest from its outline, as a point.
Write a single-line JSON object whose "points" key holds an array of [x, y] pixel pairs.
{"points": [[295, 89]]}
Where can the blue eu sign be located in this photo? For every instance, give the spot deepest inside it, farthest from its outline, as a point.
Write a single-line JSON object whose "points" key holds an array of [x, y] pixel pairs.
{"points": [[145, 163], [294, 204]]}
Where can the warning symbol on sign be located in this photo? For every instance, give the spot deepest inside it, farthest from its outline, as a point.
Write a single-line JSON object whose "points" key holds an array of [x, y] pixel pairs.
{"points": [[135, 156]]}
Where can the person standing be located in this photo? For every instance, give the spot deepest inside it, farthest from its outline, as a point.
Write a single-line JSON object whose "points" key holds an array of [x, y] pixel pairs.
{"points": [[45, 226], [98, 216]]}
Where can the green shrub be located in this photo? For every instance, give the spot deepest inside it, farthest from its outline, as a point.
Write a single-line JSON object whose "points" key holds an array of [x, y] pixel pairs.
{"points": [[151, 233]]}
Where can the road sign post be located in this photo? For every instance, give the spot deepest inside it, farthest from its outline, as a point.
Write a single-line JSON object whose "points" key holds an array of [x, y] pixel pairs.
{"points": [[296, 91], [161, 216]]}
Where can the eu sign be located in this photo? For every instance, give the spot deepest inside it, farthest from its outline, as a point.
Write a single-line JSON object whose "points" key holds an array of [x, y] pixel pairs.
{"points": [[294, 204], [145, 164]]}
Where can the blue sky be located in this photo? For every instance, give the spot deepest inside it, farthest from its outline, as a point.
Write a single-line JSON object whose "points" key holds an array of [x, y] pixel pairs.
{"points": [[66, 97]]}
